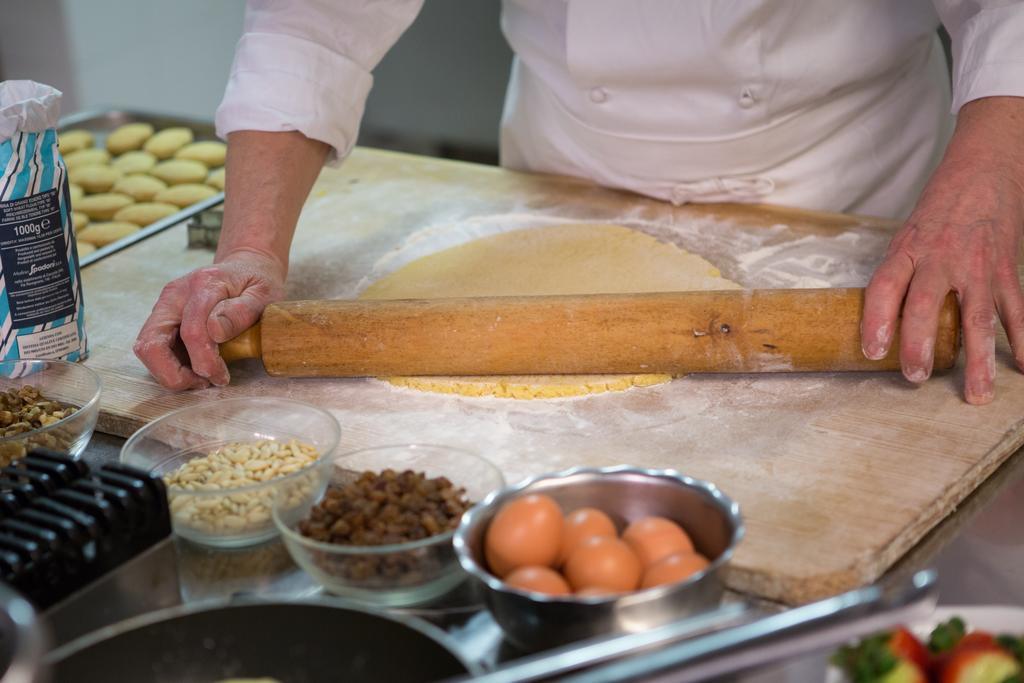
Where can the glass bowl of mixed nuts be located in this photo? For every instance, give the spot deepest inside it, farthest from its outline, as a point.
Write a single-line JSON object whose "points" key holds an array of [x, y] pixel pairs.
{"points": [[380, 530], [225, 461], [46, 404]]}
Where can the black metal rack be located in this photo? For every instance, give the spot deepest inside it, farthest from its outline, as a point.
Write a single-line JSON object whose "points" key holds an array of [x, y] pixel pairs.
{"points": [[63, 526]]}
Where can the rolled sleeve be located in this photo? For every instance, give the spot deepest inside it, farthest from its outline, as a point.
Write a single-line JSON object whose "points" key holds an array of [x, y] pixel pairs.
{"points": [[988, 48], [306, 67]]}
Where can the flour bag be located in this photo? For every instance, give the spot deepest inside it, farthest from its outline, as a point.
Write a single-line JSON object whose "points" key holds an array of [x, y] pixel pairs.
{"points": [[41, 307]]}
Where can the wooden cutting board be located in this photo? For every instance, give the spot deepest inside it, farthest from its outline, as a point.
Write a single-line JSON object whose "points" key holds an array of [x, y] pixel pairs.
{"points": [[837, 475]]}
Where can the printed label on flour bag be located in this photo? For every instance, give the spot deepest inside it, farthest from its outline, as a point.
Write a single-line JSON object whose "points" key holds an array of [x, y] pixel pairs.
{"points": [[41, 306]]}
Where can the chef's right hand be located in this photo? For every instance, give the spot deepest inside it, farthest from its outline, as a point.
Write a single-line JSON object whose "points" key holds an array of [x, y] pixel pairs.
{"points": [[178, 343]]}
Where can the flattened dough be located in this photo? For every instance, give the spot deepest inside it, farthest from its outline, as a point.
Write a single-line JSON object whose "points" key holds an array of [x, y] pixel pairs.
{"points": [[567, 259]]}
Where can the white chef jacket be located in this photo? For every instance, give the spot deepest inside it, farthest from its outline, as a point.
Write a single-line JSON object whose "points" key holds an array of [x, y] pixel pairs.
{"points": [[839, 105]]}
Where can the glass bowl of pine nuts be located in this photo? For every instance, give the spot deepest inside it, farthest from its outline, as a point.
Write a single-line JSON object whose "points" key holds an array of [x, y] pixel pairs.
{"points": [[224, 462]]}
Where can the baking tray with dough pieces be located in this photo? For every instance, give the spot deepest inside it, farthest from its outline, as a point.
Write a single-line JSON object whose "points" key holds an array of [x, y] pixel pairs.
{"points": [[101, 124]]}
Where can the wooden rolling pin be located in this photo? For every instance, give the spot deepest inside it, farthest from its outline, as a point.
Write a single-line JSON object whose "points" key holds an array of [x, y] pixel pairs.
{"points": [[675, 333]]}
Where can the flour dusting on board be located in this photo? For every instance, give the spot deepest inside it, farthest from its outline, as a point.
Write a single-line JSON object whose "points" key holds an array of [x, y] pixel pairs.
{"points": [[769, 258], [816, 261]]}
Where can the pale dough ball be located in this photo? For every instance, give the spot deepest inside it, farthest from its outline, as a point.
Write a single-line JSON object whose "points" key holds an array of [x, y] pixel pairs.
{"points": [[86, 157], [179, 171], [141, 188], [145, 213], [186, 194], [85, 248], [134, 162], [95, 177], [210, 153], [102, 207], [73, 140], [78, 220], [216, 178], [102, 234], [128, 137], [76, 192], [164, 144]]}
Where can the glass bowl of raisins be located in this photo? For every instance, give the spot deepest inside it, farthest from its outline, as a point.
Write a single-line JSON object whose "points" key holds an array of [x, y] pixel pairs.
{"points": [[380, 532]]}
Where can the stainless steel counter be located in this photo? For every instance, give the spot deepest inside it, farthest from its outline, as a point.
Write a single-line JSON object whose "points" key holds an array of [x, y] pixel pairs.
{"points": [[978, 552]]}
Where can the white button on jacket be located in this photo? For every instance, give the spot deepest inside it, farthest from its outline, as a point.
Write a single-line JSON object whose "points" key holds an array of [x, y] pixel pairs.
{"points": [[747, 99], [829, 104]]}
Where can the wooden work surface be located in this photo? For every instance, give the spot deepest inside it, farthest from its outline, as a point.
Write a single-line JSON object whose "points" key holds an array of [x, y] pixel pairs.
{"points": [[837, 475]]}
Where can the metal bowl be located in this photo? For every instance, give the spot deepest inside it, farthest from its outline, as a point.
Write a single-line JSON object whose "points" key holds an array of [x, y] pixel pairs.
{"points": [[534, 621]]}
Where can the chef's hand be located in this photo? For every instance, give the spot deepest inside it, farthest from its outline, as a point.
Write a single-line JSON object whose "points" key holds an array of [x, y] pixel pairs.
{"points": [[963, 236], [195, 313], [269, 175]]}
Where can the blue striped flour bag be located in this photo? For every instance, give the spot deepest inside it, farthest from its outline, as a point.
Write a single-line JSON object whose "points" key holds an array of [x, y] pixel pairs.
{"points": [[41, 308]]}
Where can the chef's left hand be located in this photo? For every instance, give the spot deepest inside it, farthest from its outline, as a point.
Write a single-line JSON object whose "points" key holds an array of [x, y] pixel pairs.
{"points": [[963, 236]]}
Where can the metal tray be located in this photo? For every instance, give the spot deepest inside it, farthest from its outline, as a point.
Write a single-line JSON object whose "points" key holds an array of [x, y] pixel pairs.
{"points": [[100, 123]]}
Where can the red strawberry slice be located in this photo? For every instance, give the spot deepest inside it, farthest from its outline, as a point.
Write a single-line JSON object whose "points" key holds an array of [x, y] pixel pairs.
{"points": [[979, 660], [905, 645]]}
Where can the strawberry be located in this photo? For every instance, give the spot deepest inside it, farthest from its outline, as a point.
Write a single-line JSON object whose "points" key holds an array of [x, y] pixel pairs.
{"points": [[978, 658], [941, 642], [952, 656], [905, 645], [979, 666], [946, 635], [885, 658], [978, 639]]}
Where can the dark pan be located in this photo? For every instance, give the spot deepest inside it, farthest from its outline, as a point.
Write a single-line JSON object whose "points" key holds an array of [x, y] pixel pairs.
{"points": [[293, 642]]}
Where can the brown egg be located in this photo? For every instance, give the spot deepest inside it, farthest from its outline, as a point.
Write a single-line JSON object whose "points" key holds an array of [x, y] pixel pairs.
{"points": [[539, 580], [603, 562], [526, 531], [673, 568], [653, 538], [582, 524], [595, 592]]}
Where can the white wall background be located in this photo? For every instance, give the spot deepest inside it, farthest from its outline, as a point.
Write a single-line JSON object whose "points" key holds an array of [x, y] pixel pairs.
{"points": [[444, 80]]}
